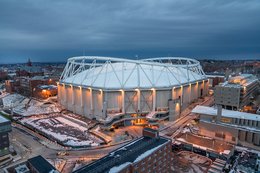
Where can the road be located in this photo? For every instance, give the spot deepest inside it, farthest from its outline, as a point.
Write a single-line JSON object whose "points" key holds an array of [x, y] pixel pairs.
{"points": [[172, 129], [33, 146], [27, 146]]}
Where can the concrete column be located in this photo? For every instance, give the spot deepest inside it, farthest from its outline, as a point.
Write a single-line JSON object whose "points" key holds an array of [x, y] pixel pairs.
{"points": [[81, 99], [219, 112], [101, 98], [91, 99], [123, 100], [181, 95], [198, 90], [207, 86], [190, 93], [59, 96], [250, 123], [249, 137], [72, 95], [173, 94], [256, 139], [65, 95], [242, 135], [258, 124], [139, 99], [154, 99], [203, 85]]}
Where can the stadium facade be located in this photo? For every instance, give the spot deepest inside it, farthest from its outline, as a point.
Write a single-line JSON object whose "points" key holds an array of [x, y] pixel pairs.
{"points": [[109, 89]]}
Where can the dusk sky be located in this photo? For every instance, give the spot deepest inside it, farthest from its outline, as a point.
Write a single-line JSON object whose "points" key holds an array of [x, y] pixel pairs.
{"points": [[48, 30]]}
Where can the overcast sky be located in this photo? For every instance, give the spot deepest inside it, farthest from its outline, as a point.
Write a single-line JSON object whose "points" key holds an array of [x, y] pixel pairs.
{"points": [[48, 30]]}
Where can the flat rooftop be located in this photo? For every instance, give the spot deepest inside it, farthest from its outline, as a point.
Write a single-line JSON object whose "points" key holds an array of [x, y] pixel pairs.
{"points": [[225, 113], [122, 157], [41, 165], [206, 143], [3, 119], [243, 80]]}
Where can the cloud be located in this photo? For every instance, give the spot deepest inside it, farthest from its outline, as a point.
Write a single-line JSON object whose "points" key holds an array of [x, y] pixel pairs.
{"points": [[193, 28]]}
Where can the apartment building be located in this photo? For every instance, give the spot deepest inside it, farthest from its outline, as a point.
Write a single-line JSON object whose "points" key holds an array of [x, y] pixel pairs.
{"points": [[37, 86]]}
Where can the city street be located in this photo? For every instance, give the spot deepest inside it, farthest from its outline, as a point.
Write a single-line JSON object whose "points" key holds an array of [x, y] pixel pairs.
{"points": [[172, 129], [28, 146]]}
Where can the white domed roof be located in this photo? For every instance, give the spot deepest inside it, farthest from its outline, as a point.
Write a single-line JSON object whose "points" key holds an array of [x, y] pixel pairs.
{"points": [[130, 74]]}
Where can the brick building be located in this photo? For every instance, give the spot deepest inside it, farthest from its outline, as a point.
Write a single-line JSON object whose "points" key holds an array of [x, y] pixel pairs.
{"points": [[3, 75], [45, 91], [252, 67], [37, 86], [12, 86], [150, 153], [29, 71]]}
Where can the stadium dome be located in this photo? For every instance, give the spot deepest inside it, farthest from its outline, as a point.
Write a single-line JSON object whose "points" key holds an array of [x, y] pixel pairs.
{"points": [[109, 89], [114, 73]]}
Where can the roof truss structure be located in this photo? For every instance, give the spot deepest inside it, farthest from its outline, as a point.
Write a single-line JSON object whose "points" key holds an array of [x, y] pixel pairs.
{"points": [[147, 73]]}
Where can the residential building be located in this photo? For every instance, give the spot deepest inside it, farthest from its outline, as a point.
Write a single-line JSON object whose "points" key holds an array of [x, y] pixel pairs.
{"points": [[236, 92], [3, 74], [150, 153], [29, 85], [12, 86], [29, 71], [37, 86], [252, 67]]}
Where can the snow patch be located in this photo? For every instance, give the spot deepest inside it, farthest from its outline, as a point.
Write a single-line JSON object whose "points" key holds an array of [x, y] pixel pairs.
{"points": [[117, 169], [147, 153]]}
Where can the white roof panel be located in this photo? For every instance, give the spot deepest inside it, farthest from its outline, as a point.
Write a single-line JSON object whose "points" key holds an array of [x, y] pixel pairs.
{"points": [[131, 75], [225, 113], [3, 119]]}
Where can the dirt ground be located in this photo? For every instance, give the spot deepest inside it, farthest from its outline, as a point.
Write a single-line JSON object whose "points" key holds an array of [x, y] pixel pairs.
{"points": [[188, 162]]}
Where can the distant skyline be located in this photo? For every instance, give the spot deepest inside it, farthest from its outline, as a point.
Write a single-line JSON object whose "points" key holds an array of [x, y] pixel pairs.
{"points": [[52, 31]]}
